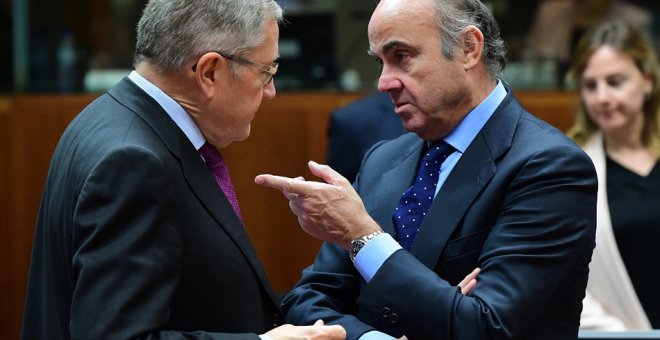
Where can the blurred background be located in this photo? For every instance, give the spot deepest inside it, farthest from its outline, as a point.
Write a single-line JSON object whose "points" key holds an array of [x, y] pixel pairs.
{"points": [[323, 46], [57, 56]]}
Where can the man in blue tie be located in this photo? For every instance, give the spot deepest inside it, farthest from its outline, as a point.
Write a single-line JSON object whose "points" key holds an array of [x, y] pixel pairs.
{"points": [[509, 194]]}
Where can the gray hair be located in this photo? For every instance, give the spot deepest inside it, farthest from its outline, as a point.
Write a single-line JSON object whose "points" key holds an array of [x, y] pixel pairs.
{"points": [[455, 15], [172, 33]]}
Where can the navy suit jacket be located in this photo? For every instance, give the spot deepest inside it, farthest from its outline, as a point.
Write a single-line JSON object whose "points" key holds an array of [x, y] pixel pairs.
{"points": [[520, 204], [135, 239], [356, 127]]}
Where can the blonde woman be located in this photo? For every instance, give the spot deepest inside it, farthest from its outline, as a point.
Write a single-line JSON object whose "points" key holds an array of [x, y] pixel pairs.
{"points": [[617, 124]]}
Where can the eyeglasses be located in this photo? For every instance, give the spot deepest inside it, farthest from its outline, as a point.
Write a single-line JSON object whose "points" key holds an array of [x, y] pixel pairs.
{"points": [[270, 70]]}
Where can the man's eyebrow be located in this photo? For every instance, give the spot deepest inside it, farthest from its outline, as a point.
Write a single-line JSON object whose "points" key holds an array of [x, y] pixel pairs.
{"points": [[388, 46]]}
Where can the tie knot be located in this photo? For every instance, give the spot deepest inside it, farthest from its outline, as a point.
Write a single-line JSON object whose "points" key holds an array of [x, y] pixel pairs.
{"points": [[438, 150], [210, 154]]}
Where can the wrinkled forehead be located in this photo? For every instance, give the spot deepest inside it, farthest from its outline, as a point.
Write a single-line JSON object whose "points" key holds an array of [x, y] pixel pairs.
{"points": [[402, 21]]}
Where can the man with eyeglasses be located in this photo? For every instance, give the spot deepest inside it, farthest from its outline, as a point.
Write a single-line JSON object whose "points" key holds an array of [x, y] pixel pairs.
{"points": [[269, 70], [140, 234]]}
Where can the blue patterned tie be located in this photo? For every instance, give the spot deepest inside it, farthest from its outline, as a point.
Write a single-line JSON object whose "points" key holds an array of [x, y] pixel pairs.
{"points": [[415, 202]]}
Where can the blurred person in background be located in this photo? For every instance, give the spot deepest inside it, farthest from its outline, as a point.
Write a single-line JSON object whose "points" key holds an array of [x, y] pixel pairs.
{"points": [[617, 124]]}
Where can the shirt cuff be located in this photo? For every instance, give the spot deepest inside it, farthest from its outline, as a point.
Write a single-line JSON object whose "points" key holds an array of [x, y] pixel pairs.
{"points": [[265, 337], [372, 256], [375, 335]]}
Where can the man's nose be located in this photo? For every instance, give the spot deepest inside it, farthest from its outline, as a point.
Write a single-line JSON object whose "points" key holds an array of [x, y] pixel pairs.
{"points": [[388, 82], [269, 90]]}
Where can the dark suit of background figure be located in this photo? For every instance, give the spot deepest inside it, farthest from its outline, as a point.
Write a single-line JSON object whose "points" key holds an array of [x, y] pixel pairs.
{"points": [[520, 204], [356, 127], [134, 197]]}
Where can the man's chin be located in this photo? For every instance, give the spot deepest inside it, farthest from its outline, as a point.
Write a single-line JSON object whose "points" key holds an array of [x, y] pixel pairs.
{"points": [[411, 126], [421, 131], [245, 134]]}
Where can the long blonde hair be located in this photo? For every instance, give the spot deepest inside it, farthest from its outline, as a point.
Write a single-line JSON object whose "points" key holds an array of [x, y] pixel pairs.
{"points": [[627, 39]]}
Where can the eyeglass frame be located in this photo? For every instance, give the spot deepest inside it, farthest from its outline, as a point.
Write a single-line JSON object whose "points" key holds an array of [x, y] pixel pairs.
{"points": [[270, 70]]}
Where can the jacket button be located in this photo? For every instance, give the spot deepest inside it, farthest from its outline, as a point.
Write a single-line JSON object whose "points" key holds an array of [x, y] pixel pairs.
{"points": [[394, 318], [386, 313], [277, 320]]}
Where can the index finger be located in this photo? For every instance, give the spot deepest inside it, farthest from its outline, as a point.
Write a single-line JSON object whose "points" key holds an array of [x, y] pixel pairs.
{"points": [[283, 184]]}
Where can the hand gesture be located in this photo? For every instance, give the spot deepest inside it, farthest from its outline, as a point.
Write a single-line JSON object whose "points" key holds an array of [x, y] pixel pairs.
{"points": [[330, 211]]}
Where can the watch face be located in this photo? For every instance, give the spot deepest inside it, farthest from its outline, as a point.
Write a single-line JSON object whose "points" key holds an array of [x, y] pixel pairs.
{"points": [[356, 245]]}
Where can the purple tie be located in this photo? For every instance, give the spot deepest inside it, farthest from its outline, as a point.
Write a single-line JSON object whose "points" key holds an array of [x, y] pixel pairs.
{"points": [[415, 202], [218, 167]]}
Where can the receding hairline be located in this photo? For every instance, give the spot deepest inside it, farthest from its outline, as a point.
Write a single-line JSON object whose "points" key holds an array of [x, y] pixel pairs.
{"points": [[401, 10]]}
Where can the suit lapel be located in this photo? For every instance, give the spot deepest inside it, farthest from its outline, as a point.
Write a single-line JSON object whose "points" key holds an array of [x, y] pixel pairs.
{"points": [[394, 182], [195, 171], [468, 178], [209, 193]]}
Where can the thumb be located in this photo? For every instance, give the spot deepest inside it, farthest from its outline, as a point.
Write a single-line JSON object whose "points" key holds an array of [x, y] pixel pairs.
{"points": [[328, 174], [319, 322]]}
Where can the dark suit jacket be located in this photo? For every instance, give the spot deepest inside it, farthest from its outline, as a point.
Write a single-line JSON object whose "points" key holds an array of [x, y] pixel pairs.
{"points": [[520, 204], [136, 239], [356, 127]]}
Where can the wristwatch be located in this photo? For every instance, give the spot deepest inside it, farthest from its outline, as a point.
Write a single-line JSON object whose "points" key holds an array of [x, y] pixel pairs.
{"points": [[357, 244]]}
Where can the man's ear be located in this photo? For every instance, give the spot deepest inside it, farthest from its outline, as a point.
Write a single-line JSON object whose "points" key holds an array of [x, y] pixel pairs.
{"points": [[208, 72], [472, 42]]}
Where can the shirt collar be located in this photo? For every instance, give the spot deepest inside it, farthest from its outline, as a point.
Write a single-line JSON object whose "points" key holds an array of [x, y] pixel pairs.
{"points": [[173, 109], [465, 132]]}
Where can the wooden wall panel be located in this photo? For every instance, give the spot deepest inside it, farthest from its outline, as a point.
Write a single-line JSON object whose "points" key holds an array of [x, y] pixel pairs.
{"points": [[7, 308], [287, 132], [556, 108], [33, 126]]}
